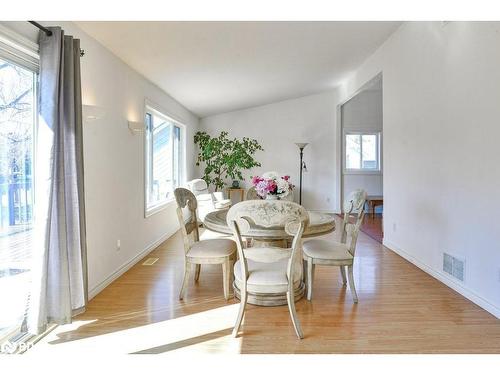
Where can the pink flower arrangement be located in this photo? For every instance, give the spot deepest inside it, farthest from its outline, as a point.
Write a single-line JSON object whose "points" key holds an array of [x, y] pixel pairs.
{"points": [[273, 184]]}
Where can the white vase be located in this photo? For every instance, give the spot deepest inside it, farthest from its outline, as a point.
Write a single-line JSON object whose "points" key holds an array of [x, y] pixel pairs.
{"points": [[271, 197]]}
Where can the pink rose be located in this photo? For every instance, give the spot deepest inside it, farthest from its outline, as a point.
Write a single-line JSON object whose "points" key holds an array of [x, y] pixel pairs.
{"points": [[256, 180], [271, 186]]}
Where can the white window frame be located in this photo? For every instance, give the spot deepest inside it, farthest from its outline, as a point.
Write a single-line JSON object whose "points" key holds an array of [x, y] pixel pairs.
{"points": [[151, 107], [21, 51], [377, 170]]}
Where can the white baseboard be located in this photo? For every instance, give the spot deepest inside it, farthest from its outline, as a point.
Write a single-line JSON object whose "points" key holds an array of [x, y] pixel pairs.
{"points": [[126, 266], [445, 279]]}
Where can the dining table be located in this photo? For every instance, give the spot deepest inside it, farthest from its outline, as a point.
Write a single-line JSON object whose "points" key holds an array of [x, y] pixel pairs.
{"points": [[320, 223]]}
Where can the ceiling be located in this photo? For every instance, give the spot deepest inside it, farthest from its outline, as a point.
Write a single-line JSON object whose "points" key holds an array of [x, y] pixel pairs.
{"points": [[216, 67]]}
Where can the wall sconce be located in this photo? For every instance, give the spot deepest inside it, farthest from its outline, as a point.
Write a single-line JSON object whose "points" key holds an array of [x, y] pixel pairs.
{"points": [[136, 126], [92, 112]]}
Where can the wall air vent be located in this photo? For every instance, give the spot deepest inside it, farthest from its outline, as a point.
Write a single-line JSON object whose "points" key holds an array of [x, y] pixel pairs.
{"points": [[454, 266]]}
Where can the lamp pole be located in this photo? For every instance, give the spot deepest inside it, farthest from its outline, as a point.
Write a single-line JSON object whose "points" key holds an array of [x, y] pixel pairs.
{"points": [[301, 147]]}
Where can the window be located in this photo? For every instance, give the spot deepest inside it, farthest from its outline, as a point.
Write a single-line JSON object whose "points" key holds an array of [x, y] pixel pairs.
{"points": [[163, 158], [18, 118], [362, 151]]}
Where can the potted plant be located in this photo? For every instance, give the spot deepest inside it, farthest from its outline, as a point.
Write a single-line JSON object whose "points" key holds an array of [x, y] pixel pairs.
{"points": [[225, 158]]}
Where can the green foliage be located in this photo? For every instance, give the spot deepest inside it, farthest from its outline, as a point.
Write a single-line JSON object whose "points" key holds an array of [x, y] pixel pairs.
{"points": [[225, 158]]}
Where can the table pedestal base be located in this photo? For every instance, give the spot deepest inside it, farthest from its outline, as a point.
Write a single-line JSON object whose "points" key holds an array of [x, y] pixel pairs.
{"points": [[270, 299]]}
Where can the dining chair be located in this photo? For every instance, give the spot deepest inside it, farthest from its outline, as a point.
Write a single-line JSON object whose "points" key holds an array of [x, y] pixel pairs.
{"points": [[252, 194], [197, 252], [331, 253], [268, 269]]}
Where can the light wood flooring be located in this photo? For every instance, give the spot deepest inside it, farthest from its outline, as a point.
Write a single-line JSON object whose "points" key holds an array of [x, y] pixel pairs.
{"points": [[401, 310], [373, 227]]}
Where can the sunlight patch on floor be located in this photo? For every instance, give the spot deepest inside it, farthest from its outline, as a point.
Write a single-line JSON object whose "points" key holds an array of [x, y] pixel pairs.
{"points": [[208, 331], [73, 326]]}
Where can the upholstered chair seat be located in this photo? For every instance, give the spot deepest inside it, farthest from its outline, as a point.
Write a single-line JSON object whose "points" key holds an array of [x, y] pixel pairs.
{"points": [[327, 250], [266, 277], [217, 247]]}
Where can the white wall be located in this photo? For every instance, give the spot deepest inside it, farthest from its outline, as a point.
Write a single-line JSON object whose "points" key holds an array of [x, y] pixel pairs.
{"points": [[277, 127], [441, 88], [114, 163], [364, 113], [371, 183]]}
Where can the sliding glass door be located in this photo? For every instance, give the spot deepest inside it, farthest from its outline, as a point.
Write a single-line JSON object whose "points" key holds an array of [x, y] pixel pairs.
{"points": [[17, 134]]}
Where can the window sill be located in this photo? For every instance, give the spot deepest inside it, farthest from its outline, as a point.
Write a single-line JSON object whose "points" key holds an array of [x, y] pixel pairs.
{"points": [[157, 208], [352, 172]]}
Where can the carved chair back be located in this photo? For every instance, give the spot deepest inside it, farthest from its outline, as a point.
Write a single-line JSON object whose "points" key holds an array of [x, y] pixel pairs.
{"points": [[185, 198], [355, 201], [354, 206], [252, 194], [270, 215]]}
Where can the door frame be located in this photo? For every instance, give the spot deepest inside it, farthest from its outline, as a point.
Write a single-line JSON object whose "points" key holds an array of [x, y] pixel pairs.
{"points": [[340, 135]]}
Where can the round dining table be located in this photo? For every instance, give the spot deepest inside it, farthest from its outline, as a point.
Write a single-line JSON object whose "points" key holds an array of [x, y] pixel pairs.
{"points": [[320, 223]]}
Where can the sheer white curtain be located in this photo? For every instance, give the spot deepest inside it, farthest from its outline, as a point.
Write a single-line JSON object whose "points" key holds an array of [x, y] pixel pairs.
{"points": [[59, 286]]}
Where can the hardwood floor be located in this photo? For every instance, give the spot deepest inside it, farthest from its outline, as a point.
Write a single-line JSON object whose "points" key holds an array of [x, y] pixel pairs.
{"points": [[372, 226], [401, 310]]}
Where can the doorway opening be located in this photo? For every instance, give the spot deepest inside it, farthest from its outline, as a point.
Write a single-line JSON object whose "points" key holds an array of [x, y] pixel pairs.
{"points": [[362, 145]]}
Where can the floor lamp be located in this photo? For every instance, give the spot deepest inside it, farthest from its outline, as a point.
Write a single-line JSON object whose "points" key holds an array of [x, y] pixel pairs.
{"points": [[301, 147]]}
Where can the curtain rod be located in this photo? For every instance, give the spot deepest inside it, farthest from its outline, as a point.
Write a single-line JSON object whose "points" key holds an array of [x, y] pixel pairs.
{"points": [[43, 28], [49, 33]]}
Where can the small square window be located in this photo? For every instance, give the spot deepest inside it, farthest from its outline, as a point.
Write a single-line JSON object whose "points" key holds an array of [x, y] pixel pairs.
{"points": [[362, 151]]}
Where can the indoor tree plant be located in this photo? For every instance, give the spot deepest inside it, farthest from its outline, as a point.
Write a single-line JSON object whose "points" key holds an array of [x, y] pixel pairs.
{"points": [[225, 158]]}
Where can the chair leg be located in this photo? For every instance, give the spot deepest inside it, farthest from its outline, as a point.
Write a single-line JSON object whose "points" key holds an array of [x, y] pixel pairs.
{"points": [[231, 277], [226, 277], [290, 296], [241, 312], [185, 281], [197, 272], [304, 272], [310, 278], [351, 284], [344, 278]]}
